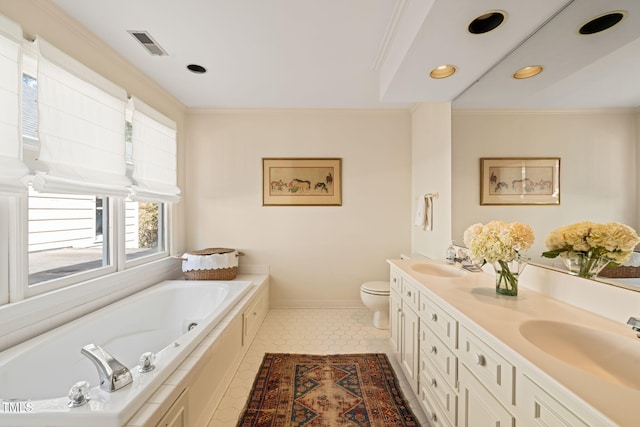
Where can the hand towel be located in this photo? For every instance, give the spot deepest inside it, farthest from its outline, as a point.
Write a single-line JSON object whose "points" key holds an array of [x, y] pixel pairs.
{"points": [[428, 224]]}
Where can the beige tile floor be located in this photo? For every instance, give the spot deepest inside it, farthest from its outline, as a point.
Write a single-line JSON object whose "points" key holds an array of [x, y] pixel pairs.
{"points": [[309, 331]]}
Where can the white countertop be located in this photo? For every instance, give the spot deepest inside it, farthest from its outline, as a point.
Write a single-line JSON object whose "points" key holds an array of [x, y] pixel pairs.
{"points": [[473, 298]]}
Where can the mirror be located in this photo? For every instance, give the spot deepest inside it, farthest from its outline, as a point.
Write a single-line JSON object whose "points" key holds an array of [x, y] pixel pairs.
{"points": [[583, 108]]}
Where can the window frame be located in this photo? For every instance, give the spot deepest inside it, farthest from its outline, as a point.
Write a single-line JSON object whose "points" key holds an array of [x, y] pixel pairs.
{"points": [[14, 214]]}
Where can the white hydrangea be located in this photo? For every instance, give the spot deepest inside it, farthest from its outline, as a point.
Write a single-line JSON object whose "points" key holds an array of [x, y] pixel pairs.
{"points": [[612, 240], [498, 240]]}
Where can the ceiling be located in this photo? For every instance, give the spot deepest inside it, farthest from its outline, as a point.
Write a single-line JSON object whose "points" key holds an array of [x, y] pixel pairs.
{"points": [[374, 53]]}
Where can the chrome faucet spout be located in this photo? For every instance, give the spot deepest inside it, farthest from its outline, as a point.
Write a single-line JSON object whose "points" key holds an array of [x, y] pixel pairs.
{"points": [[113, 374]]}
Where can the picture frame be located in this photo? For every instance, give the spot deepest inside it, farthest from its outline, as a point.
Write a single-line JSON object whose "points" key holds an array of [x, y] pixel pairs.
{"points": [[301, 182], [520, 181]]}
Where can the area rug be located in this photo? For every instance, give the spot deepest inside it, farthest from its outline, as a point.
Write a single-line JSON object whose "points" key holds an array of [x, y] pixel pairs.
{"points": [[296, 390]]}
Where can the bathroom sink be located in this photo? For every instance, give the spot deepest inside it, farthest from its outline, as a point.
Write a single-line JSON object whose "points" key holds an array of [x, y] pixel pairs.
{"points": [[437, 270], [611, 357]]}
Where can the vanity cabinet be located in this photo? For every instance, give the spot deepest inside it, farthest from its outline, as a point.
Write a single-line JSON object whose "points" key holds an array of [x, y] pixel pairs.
{"points": [[466, 375]]}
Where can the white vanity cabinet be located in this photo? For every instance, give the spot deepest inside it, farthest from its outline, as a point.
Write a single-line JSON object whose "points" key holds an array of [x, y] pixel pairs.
{"points": [[475, 367]]}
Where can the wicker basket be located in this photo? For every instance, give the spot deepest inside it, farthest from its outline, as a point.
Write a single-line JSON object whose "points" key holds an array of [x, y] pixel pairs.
{"points": [[622, 272], [219, 273]]}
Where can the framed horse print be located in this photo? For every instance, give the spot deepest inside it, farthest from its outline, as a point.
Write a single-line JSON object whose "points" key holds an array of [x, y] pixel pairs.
{"points": [[520, 181], [301, 182]]}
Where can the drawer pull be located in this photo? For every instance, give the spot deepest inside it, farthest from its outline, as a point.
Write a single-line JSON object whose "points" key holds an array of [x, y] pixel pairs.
{"points": [[480, 360], [409, 293], [434, 417], [433, 382], [395, 280], [434, 349], [434, 317]]}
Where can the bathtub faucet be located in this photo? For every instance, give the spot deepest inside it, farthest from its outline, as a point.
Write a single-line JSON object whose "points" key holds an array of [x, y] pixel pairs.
{"points": [[113, 374]]}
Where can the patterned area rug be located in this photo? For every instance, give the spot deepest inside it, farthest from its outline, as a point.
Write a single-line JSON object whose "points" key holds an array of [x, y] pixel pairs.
{"points": [[295, 390]]}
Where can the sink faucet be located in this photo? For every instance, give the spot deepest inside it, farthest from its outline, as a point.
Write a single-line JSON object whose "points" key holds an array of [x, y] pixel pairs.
{"points": [[113, 374]]}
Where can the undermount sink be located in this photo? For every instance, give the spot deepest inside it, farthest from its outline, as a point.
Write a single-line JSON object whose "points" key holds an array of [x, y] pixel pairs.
{"points": [[611, 357], [437, 270]]}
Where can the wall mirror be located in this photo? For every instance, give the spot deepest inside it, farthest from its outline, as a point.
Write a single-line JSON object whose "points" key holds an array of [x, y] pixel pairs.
{"points": [[588, 78]]}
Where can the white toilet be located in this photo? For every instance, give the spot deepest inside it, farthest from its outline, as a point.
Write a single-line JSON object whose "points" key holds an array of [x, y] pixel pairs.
{"points": [[375, 295]]}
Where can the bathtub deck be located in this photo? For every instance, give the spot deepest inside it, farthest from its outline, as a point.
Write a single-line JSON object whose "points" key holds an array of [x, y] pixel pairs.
{"points": [[314, 331]]}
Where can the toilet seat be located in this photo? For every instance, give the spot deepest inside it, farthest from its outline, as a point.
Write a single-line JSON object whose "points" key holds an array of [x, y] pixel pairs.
{"points": [[376, 288]]}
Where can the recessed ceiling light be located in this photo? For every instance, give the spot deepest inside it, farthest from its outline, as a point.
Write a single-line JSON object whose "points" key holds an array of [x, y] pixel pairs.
{"points": [[602, 22], [442, 71], [195, 68], [527, 72], [486, 22]]}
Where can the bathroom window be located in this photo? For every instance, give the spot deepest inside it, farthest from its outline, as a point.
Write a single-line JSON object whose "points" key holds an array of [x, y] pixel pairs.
{"points": [[63, 240], [144, 234], [63, 231]]}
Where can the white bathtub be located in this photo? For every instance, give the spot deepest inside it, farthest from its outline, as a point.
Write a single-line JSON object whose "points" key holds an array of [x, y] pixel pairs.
{"points": [[36, 376]]}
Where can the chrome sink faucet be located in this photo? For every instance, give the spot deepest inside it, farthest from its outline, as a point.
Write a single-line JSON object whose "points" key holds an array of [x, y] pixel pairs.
{"points": [[113, 374], [635, 324]]}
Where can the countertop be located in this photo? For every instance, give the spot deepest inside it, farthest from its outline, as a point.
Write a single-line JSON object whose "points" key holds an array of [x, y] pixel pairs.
{"points": [[473, 298]]}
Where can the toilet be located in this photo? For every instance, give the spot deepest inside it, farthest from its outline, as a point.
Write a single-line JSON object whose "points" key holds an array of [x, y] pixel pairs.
{"points": [[375, 295]]}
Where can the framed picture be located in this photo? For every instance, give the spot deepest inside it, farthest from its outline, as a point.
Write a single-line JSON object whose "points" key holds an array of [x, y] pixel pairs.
{"points": [[301, 182], [520, 181]]}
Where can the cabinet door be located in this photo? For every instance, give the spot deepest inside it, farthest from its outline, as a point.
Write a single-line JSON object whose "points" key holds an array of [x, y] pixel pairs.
{"points": [[542, 409], [176, 416], [395, 319], [478, 407], [409, 346]]}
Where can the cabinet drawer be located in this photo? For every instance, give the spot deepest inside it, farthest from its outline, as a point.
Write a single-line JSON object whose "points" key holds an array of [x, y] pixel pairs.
{"points": [[440, 322], [252, 317], [477, 407], [441, 392], [395, 282], [493, 370], [434, 413], [411, 295], [437, 354], [543, 409]]}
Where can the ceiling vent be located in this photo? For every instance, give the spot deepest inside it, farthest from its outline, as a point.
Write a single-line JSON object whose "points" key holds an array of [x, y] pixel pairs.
{"points": [[148, 42]]}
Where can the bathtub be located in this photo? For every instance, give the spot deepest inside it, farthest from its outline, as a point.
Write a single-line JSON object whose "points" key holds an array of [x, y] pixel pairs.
{"points": [[168, 319]]}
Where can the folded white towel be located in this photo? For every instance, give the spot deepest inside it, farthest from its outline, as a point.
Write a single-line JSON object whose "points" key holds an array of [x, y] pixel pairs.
{"points": [[421, 213]]}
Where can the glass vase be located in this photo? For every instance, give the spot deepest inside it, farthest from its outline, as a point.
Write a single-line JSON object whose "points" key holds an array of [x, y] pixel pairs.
{"points": [[583, 265], [507, 275]]}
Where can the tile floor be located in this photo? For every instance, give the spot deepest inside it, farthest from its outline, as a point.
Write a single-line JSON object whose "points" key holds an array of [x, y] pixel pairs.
{"points": [[309, 331]]}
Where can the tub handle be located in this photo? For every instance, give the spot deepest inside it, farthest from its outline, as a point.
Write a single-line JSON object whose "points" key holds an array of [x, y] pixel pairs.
{"points": [[146, 362], [79, 394]]}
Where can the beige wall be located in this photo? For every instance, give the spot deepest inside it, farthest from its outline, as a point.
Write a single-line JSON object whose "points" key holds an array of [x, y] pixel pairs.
{"points": [[431, 173], [318, 256], [42, 18], [598, 152]]}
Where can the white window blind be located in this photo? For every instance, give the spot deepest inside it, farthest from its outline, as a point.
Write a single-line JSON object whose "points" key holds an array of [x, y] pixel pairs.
{"points": [[153, 155], [11, 167], [81, 128]]}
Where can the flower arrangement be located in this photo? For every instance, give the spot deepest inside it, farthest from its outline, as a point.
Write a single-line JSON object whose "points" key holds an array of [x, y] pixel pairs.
{"points": [[500, 243], [597, 245]]}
